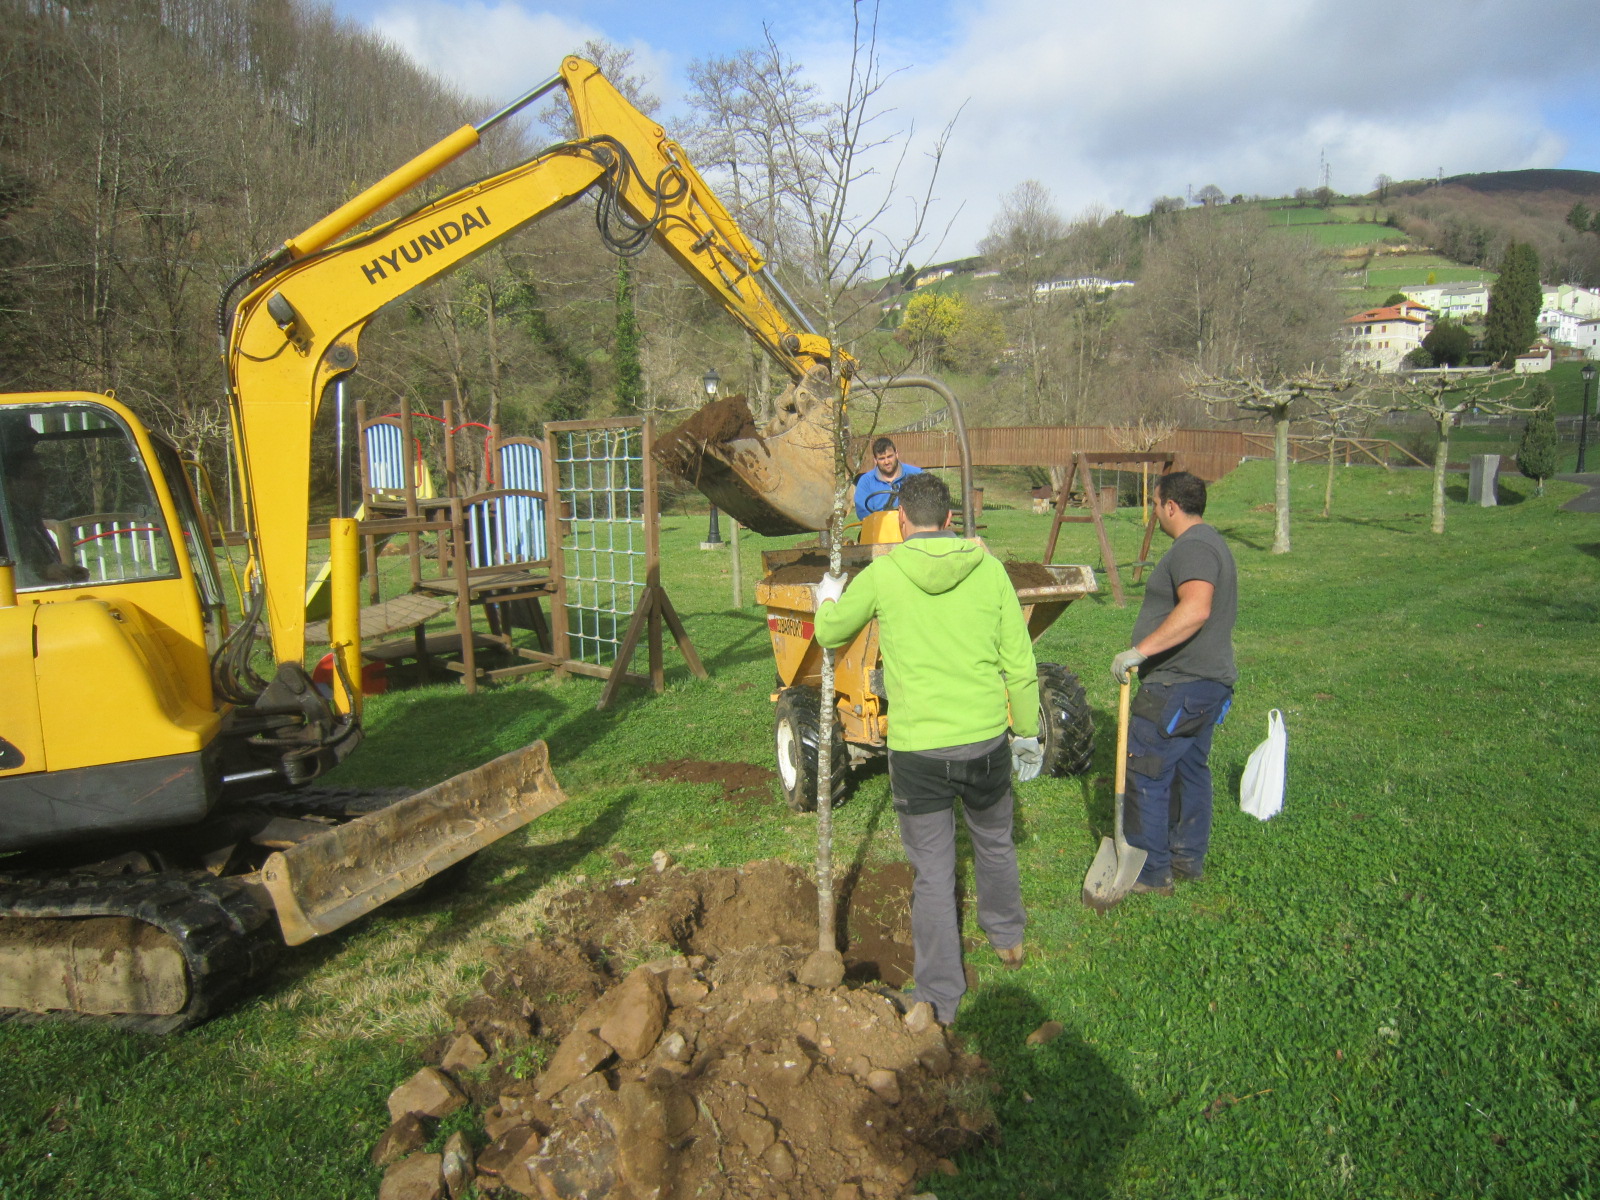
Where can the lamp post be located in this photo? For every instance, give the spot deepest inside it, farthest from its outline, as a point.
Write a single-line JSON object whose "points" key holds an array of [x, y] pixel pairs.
{"points": [[713, 534], [1588, 374]]}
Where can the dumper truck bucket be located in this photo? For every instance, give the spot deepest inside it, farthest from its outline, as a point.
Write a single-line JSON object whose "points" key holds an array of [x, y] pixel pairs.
{"points": [[330, 880], [774, 480]]}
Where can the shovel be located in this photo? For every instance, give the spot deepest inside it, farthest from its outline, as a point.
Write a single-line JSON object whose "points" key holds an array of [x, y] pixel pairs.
{"points": [[1116, 867]]}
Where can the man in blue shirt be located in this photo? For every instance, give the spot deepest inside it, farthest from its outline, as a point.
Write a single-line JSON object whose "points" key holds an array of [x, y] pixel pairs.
{"points": [[879, 488]]}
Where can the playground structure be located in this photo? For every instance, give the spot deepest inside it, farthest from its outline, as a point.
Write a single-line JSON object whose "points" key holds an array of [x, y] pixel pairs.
{"points": [[569, 520], [1078, 488]]}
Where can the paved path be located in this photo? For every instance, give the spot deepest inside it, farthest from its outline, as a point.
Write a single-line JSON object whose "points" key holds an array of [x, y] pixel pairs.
{"points": [[1590, 500]]}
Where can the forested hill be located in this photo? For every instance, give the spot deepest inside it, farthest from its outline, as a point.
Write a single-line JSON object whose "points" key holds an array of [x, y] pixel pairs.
{"points": [[1472, 218], [1578, 183], [151, 150]]}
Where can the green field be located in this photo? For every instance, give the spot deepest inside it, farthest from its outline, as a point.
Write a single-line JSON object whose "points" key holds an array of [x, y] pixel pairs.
{"points": [[1340, 234], [1396, 276], [1289, 213], [1391, 990]]}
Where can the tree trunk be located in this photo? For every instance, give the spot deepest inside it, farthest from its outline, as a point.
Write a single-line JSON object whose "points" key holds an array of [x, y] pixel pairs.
{"points": [[1327, 491], [492, 338], [827, 940], [1280, 499], [1441, 458]]}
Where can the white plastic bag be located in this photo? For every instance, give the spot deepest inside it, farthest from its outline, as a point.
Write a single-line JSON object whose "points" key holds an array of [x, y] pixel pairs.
{"points": [[1261, 788]]}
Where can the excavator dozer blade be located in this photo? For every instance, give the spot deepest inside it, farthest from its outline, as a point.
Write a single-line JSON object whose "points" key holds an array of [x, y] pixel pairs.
{"points": [[778, 480], [330, 880]]}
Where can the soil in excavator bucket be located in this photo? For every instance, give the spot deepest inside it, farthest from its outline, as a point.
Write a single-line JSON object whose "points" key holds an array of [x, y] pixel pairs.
{"points": [[774, 480]]}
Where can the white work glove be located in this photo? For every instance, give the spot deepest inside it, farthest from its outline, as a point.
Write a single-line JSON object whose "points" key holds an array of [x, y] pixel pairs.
{"points": [[831, 587], [1124, 663], [1027, 758]]}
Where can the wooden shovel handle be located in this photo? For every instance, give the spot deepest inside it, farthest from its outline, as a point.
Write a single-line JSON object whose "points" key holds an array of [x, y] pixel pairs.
{"points": [[1124, 701]]}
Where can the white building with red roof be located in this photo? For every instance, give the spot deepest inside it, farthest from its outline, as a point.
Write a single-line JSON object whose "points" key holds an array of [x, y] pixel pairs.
{"points": [[1380, 338]]}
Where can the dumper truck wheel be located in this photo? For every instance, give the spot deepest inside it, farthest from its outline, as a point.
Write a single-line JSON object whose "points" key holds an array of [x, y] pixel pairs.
{"points": [[796, 729], [1066, 726]]}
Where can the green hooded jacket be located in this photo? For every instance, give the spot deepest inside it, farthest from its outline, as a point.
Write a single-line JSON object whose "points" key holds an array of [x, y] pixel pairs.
{"points": [[958, 665]]}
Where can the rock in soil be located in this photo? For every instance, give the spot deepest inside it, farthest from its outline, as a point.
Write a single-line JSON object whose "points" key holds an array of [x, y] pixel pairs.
{"points": [[464, 1053], [1045, 1034], [400, 1139], [638, 1014], [456, 1166], [710, 1071], [428, 1093], [415, 1178]]}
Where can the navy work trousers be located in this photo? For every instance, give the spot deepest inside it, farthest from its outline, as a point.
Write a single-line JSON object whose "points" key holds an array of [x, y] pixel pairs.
{"points": [[1168, 812]]}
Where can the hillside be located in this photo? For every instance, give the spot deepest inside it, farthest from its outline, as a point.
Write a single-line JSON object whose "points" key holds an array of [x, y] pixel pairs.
{"points": [[1580, 183], [1472, 218]]}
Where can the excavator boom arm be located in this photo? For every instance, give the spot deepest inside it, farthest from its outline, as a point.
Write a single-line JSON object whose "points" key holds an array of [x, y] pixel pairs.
{"points": [[299, 327]]}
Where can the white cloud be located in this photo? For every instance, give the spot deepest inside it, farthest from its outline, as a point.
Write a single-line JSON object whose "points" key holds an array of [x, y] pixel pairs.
{"points": [[1115, 104], [1109, 104], [497, 50]]}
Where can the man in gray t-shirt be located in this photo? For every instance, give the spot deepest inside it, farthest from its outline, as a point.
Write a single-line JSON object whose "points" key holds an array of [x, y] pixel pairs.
{"points": [[1183, 652]]}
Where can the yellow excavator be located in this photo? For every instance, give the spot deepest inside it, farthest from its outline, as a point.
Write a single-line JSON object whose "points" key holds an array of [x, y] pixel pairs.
{"points": [[154, 848]]}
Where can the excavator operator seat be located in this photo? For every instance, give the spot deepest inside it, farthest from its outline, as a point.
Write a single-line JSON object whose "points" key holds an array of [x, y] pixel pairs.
{"points": [[77, 506]]}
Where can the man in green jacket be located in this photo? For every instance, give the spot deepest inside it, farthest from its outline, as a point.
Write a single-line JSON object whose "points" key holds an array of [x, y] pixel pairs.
{"points": [[958, 673]]}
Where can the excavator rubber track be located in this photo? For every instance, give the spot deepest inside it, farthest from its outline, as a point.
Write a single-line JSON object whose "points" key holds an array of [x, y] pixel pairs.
{"points": [[212, 932]]}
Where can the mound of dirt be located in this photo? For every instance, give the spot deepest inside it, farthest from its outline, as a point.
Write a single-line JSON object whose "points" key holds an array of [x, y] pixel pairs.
{"points": [[708, 1071]]}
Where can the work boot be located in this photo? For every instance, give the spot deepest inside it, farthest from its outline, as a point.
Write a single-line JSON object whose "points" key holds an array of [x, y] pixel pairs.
{"points": [[1145, 889], [1187, 872], [1012, 957]]}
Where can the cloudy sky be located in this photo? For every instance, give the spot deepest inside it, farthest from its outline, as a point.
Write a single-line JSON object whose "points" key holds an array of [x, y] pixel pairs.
{"points": [[1113, 104]]}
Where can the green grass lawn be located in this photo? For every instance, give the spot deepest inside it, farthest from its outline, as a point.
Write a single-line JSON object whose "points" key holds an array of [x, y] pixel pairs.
{"points": [[1394, 277], [1340, 233], [1388, 991]]}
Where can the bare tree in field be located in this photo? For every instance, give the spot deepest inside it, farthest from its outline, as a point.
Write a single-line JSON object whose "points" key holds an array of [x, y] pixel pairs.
{"points": [[742, 105], [1445, 398], [1337, 417], [842, 166], [1025, 242], [1222, 295], [1275, 398]]}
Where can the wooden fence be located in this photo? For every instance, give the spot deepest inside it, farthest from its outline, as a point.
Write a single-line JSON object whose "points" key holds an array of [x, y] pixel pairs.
{"points": [[1209, 453]]}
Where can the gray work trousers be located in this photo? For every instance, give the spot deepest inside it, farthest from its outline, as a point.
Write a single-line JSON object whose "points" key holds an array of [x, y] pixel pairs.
{"points": [[930, 844]]}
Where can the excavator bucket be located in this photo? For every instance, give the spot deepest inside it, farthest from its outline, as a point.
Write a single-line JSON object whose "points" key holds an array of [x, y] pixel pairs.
{"points": [[330, 880], [775, 481]]}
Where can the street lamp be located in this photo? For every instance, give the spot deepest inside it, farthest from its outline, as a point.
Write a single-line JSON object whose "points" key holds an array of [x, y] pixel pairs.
{"points": [[1588, 374], [713, 535]]}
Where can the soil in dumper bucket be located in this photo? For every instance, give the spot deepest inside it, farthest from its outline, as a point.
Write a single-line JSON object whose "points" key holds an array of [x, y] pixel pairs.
{"points": [[1025, 575], [707, 1071], [810, 569]]}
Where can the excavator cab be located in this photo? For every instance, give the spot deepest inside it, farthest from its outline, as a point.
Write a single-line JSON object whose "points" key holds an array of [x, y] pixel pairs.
{"points": [[105, 632]]}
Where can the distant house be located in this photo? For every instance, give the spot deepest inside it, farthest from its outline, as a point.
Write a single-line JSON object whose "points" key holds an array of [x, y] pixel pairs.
{"points": [[1536, 359], [1567, 297], [937, 272], [1559, 326], [1080, 283], [1380, 338], [1458, 301], [1588, 339]]}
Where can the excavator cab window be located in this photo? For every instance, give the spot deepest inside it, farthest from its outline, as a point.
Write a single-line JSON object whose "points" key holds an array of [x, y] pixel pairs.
{"points": [[197, 543], [76, 505]]}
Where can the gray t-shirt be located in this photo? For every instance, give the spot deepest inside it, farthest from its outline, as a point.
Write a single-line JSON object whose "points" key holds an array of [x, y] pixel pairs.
{"points": [[1199, 553]]}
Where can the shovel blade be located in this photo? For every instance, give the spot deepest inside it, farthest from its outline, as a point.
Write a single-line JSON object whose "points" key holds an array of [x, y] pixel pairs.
{"points": [[1111, 876]]}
